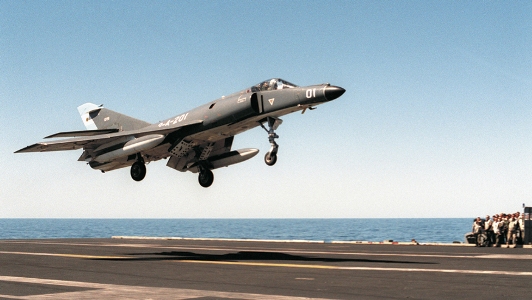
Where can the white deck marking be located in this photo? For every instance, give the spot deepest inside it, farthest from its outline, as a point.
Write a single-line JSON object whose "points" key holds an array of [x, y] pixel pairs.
{"points": [[330, 267], [506, 256], [112, 291]]}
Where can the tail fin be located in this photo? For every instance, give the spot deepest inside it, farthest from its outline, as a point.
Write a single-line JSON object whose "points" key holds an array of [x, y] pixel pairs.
{"points": [[97, 117]]}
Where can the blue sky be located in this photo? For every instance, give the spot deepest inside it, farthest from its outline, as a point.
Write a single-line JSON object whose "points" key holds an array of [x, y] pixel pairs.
{"points": [[436, 120]]}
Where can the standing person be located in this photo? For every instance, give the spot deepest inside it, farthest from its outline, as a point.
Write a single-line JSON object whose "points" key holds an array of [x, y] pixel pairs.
{"points": [[477, 231], [488, 229], [512, 229], [496, 232], [521, 223], [501, 238], [505, 222], [518, 231]]}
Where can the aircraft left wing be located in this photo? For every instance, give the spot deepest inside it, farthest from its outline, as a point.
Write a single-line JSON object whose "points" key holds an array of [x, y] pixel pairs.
{"points": [[86, 138]]}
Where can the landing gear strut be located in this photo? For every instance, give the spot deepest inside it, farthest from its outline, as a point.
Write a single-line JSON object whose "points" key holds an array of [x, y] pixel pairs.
{"points": [[273, 123], [138, 169], [205, 178]]}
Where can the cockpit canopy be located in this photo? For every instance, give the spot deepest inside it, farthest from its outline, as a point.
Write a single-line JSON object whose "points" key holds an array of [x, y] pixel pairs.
{"points": [[272, 84]]}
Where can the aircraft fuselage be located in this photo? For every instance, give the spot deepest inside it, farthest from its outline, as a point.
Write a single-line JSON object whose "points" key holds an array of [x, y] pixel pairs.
{"points": [[198, 140]]}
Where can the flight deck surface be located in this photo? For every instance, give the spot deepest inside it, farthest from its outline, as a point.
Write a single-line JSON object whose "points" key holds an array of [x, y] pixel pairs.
{"points": [[209, 269]]}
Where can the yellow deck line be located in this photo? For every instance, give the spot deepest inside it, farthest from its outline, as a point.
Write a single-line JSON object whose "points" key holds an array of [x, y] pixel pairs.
{"points": [[65, 255], [282, 265]]}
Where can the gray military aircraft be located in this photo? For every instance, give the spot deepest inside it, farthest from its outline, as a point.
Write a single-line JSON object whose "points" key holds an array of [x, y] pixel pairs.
{"points": [[199, 140]]}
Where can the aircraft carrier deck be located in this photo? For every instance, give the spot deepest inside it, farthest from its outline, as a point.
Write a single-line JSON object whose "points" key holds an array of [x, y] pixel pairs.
{"points": [[222, 269]]}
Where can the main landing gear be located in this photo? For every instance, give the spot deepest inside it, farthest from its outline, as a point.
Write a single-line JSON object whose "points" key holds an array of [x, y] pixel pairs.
{"points": [[273, 123], [205, 178], [138, 169]]}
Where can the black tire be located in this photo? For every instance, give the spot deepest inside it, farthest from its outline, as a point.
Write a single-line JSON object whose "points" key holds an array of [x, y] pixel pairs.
{"points": [[270, 159], [206, 178], [138, 171]]}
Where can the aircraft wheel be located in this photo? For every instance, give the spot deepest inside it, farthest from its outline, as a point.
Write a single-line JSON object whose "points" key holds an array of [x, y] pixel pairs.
{"points": [[270, 158], [206, 178], [138, 171]]}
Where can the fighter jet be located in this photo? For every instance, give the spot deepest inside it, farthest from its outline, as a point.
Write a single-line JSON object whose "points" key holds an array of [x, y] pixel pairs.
{"points": [[198, 140]]}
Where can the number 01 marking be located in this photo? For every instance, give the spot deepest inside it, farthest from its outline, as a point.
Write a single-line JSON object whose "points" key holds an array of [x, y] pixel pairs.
{"points": [[311, 93]]}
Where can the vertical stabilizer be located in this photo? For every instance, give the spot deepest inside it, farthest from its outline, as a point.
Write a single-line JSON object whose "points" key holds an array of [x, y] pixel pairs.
{"points": [[97, 117], [84, 111]]}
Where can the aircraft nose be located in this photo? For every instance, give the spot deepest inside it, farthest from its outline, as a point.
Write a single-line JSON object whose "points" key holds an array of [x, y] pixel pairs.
{"points": [[333, 92]]}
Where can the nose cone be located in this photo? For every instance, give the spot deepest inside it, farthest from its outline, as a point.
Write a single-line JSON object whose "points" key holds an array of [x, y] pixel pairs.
{"points": [[333, 92]]}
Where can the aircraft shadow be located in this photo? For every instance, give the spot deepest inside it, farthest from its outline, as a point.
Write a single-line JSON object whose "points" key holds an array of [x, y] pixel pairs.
{"points": [[249, 256]]}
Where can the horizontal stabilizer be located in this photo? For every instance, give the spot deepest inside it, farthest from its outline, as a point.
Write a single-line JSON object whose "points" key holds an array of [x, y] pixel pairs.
{"points": [[82, 133]]}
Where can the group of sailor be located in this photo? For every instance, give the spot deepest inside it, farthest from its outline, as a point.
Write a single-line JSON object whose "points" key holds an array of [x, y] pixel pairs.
{"points": [[499, 230]]}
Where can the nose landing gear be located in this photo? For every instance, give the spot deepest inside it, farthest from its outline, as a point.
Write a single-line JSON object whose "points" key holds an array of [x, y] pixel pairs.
{"points": [[271, 158], [273, 123]]}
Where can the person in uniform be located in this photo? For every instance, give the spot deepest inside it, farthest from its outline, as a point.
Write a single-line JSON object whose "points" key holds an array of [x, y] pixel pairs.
{"points": [[496, 232], [477, 231], [512, 230], [521, 223], [488, 229], [505, 222]]}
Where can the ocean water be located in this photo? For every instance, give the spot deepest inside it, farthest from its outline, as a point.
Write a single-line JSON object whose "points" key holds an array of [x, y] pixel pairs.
{"points": [[375, 230]]}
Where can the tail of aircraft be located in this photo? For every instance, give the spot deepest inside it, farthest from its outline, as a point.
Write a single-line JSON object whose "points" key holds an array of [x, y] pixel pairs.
{"points": [[97, 117]]}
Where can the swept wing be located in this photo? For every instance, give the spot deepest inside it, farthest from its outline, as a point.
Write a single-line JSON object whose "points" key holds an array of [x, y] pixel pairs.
{"points": [[85, 139]]}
